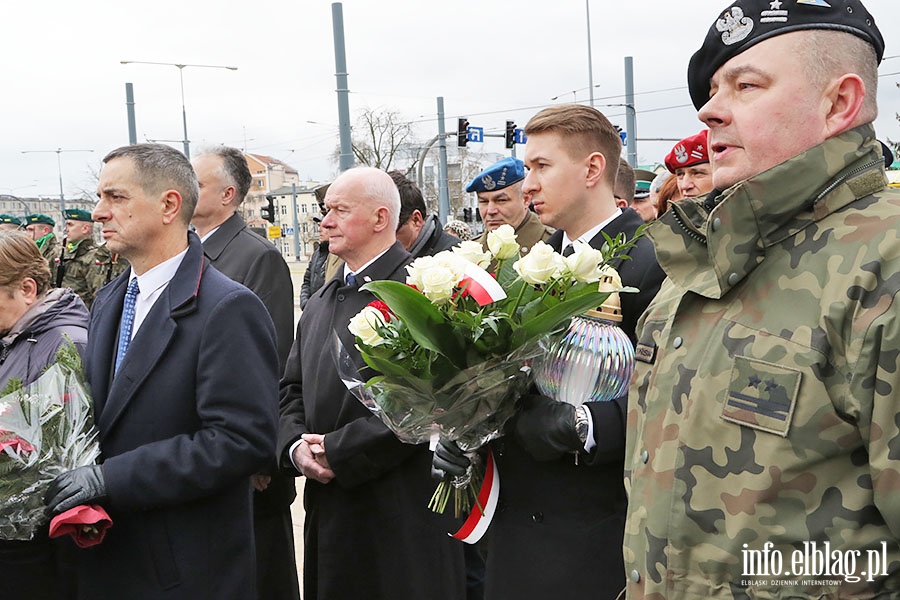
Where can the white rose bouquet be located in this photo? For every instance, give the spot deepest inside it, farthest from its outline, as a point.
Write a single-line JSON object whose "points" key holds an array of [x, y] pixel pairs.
{"points": [[454, 346]]}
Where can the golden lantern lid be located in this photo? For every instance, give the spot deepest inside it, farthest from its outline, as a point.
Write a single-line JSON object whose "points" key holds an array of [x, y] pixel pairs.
{"points": [[611, 309]]}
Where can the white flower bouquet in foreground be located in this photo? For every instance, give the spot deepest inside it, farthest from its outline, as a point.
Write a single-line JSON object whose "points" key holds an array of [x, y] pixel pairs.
{"points": [[454, 347]]}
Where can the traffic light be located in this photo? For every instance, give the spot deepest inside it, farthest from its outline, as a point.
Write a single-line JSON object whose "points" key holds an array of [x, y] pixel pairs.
{"points": [[462, 132], [510, 134], [268, 212]]}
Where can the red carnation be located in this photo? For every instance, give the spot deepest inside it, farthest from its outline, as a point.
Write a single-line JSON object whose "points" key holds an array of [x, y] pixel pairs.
{"points": [[383, 309]]}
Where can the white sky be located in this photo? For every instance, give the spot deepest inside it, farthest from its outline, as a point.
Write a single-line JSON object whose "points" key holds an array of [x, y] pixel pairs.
{"points": [[491, 60]]}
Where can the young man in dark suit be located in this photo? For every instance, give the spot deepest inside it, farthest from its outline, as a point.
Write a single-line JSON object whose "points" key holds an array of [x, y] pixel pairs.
{"points": [[252, 260], [560, 530], [367, 533], [182, 363]]}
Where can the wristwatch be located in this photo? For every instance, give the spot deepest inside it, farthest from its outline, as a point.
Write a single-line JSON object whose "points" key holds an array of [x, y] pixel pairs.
{"points": [[581, 423]]}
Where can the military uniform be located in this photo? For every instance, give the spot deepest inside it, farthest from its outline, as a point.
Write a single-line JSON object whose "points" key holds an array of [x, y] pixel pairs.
{"points": [[764, 407], [82, 267], [529, 232], [49, 247]]}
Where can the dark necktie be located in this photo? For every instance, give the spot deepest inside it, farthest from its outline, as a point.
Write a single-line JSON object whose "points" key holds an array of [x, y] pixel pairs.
{"points": [[127, 323], [568, 250], [351, 279]]}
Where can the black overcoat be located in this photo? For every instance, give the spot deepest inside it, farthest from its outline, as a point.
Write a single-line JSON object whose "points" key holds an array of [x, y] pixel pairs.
{"points": [[368, 533], [190, 415], [558, 529]]}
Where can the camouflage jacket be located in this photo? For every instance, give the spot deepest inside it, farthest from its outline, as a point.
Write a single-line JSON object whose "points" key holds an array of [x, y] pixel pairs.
{"points": [[82, 269], [764, 408]]}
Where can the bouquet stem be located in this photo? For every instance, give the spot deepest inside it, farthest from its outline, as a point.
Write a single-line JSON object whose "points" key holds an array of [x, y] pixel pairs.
{"points": [[464, 490]]}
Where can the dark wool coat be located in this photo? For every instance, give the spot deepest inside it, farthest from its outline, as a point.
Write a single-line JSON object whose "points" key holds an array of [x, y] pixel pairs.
{"points": [[190, 415], [368, 533], [558, 529]]}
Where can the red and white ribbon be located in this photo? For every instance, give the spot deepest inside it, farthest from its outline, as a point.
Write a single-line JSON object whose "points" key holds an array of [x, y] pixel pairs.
{"points": [[481, 285], [483, 512]]}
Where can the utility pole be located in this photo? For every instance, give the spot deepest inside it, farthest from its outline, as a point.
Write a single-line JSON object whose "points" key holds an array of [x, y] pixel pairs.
{"points": [[630, 114], [129, 107], [443, 186], [346, 159], [62, 197]]}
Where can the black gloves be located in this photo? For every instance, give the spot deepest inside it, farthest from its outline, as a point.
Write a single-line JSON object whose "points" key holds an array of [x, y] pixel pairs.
{"points": [[448, 460], [546, 428], [83, 485]]}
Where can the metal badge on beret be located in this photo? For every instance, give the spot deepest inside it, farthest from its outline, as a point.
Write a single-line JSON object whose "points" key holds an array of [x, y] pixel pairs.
{"points": [[748, 22]]}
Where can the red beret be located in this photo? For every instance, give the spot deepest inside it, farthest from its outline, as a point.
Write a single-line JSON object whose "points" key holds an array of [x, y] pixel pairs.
{"points": [[688, 152]]}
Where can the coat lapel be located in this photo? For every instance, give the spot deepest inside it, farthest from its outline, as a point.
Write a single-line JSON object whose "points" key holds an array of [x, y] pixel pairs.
{"points": [[105, 317], [154, 336]]}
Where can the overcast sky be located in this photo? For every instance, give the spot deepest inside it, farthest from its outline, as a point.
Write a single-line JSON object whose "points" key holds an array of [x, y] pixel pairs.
{"points": [[64, 86]]}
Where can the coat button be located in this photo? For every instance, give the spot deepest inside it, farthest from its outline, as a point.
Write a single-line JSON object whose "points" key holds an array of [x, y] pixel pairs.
{"points": [[716, 224], [538, 517], [645, 457], [340, 298], [635, 576], [677, 342], [733, 279]]}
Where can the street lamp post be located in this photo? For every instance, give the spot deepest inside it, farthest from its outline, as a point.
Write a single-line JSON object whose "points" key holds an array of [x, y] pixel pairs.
{"points": [[180, 66], [62, 197]]}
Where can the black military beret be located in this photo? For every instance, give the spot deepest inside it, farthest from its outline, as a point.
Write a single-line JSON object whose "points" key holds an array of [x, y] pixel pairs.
{"points": [[748, 22]]}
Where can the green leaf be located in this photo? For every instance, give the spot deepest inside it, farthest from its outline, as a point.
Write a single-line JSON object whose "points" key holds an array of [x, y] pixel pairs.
{"points": [[424, 320], [553, 317]]}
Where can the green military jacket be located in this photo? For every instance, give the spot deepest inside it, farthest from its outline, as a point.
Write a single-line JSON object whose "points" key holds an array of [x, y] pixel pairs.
{"points": [[763, 417], [82, 267], [529, 232]]}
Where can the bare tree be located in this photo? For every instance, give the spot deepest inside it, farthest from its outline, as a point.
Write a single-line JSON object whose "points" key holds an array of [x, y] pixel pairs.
{"points": [[384, 140]]}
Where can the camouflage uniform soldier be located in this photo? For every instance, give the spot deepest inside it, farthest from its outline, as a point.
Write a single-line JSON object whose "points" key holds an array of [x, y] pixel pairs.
{"points": [[81, 263], [40, 228], [763, 424]]}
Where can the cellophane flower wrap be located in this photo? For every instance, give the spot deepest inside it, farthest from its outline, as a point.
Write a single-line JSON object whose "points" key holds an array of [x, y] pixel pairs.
{"points": [[454, 346], [46, 428]]}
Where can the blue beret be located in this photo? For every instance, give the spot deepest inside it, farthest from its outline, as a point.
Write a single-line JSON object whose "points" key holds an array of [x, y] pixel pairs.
{"points": [[499, 175], [78, 214], [39, 218], [4, 218], [748, 22]]}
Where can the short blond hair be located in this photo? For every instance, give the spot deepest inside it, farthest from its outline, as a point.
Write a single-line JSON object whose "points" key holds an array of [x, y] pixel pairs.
{"points": [[584, 130]]}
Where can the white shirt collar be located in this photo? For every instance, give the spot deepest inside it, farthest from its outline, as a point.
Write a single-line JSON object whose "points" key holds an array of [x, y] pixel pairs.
{"points": [[591, 233]]}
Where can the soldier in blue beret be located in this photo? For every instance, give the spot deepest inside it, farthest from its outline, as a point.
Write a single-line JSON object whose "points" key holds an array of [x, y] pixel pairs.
{"points": [[10, 223], [501, 201], [40, 228], [763, 434]]}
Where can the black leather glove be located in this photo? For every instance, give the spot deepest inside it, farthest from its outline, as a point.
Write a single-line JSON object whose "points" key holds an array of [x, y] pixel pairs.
{"points": [[546, 428], [83, 485], [448, 459]]}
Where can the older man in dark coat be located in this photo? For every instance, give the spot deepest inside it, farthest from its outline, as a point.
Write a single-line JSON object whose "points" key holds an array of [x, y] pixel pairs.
{"points": [[254, 261], [182, 366], [368, 532]]}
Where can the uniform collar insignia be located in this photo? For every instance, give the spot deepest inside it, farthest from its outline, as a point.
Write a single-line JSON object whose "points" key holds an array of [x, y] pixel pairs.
{"points": [[735, 27]]}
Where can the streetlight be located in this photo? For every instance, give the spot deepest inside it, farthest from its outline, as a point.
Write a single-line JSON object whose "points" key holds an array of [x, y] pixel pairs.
{"points": [[62, 197], [575, 93], [180, 66]]}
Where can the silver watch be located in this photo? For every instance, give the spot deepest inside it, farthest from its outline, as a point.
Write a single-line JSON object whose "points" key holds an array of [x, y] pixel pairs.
{"points": [[581, 423]]}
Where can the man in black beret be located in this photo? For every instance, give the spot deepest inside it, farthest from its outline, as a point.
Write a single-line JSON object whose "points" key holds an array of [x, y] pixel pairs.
{"points": [[762, 451]]}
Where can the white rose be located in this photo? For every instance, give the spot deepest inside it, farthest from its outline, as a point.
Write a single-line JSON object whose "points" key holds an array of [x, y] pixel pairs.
{"points": [[453, 262], [415, 270], [502, 242], [584, 263], [364, 325], [438, 282], [474, 253], [540, 265]]}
